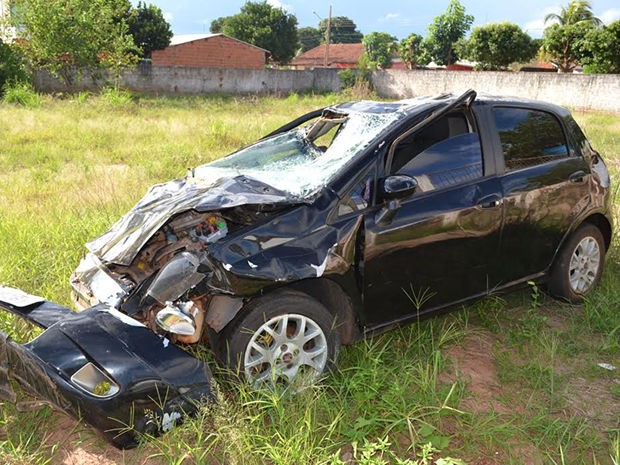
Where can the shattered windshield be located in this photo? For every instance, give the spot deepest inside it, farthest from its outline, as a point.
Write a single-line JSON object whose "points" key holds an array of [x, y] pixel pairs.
{"points": [[304, 159]]}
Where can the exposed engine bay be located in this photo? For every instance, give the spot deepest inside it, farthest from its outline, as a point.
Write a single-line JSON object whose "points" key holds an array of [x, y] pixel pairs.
{"points": [[161, 287], [188, 231]]}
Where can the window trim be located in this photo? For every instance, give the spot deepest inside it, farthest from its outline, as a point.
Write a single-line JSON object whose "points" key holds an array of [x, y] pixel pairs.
{"points": [[371, 169]]}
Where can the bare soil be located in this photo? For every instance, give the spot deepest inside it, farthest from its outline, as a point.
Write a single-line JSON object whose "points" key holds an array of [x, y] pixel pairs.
{"points": [[77, 444]]}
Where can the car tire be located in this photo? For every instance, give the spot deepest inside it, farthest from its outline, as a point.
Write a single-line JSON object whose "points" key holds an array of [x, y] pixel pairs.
{"points": [[579, 264], [286, 337]]}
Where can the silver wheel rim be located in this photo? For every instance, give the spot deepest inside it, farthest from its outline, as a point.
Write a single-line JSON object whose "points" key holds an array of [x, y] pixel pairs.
{"points": [[584, 265], [286, 348]]}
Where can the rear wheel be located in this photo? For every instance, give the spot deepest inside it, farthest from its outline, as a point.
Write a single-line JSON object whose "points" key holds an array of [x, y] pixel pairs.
{"points": [[286, 338], [579, 264]]}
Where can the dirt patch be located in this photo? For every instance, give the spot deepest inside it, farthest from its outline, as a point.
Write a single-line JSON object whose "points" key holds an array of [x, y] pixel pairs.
{"points": [[472, 361], [76, 444], [592, 399]]}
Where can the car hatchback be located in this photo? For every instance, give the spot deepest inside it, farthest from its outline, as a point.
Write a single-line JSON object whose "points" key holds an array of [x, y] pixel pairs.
{"points": [[342, 223], [353, 218]]}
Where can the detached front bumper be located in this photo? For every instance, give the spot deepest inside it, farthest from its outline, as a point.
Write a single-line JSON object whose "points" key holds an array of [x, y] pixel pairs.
{"points": [[103, 367]]}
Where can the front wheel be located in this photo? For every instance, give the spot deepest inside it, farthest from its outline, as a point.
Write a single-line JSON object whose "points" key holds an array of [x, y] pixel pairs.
{"points": [[579, 264], [288, 337]]}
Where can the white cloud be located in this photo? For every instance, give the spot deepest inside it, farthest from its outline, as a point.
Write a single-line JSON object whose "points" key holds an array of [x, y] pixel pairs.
{"points": [[279, 4], [536, 26], [610, 15], [395, 18], [390, 17], [168, 16]]}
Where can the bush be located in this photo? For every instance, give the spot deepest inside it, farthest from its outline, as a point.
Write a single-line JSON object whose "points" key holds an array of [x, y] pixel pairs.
{"points": [[348, 77], [117, 97], [12, 68], [21, 93], [357, 83]]}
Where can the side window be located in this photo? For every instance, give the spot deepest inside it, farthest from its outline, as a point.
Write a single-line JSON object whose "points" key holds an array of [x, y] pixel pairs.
{"points": [[357, 198], [445, 153], [529, 137]]}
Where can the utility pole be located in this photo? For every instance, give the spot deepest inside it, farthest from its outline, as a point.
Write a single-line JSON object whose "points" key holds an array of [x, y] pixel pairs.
{"points": [[328, 38]]}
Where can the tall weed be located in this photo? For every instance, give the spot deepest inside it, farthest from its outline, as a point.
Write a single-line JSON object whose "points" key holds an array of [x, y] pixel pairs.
{"points": [[21, 93]]}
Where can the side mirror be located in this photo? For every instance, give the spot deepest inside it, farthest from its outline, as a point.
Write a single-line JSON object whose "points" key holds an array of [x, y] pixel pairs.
{"points": [[399, 186]]}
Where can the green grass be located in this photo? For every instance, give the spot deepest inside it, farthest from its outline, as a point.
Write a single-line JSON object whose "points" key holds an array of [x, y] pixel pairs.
{"points": [[511, 379]]}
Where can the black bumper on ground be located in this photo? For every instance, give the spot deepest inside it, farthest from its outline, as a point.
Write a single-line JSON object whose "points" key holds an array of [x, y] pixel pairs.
{"points": [[105, 368]]}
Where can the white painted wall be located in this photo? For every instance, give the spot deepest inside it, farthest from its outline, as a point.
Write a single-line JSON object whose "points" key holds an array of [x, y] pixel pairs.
{"points": [[584, 91], [597, 92]]}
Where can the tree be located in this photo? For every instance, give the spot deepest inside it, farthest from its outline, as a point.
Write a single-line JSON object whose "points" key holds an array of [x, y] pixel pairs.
{"points": [[576, 12], [445, 31], [379, 47], [496, 45], [149, 28], [410, 49], [342, 30], [12, 69], [599, 50], [562, 39], [309, 37], [67, 37], [217, 25], [265, 26], [562, 43]]}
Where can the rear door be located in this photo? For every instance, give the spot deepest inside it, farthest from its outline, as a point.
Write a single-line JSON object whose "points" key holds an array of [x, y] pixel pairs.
{"points": [[545, 186]]}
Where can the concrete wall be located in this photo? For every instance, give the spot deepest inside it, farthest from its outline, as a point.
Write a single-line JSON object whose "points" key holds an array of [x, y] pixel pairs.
{"points": [[596, 92], [212, 52], [584, 91], [172, 80]]}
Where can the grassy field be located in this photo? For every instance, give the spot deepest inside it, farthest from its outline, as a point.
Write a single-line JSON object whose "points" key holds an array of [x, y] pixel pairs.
{"points": [[513, 379]]}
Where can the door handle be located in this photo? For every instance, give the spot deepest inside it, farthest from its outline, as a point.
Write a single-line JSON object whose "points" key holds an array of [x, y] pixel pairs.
{"points": [[490, 201], [577, 176]]}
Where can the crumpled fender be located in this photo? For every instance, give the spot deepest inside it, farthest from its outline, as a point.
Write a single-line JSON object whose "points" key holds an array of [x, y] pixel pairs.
{"points": [[122, 242], [157, 382], [276, 252]]}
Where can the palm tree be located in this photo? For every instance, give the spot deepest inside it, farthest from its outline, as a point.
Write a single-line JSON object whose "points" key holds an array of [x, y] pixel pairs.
{"points": [[577, 11], [569, 26]]}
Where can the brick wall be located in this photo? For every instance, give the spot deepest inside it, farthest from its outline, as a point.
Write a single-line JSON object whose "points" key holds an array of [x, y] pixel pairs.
{"points": [[212, 52]]}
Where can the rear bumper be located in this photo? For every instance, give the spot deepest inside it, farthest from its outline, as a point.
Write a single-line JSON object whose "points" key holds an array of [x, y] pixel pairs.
{"points": [[154, 381]]}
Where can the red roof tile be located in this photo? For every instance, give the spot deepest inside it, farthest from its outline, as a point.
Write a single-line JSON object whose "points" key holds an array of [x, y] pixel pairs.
{"points": [[339, 54]]}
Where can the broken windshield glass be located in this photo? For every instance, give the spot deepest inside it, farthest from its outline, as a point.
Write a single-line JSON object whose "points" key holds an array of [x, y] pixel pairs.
{"points": [[304, 159]]}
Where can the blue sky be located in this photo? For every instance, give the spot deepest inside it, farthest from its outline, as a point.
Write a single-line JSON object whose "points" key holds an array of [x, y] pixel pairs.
{"points": [[397, 17]]}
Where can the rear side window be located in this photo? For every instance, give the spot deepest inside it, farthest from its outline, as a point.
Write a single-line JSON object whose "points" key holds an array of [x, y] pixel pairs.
{"points": [[578, 136], [529, 137]]}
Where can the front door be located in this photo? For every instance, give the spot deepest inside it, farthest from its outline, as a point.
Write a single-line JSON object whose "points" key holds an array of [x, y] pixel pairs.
{"points": [[433, 247]]}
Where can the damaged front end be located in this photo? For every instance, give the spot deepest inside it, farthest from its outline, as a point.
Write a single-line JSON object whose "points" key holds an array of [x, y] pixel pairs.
{"points": [[101, 366], [180, 266]]}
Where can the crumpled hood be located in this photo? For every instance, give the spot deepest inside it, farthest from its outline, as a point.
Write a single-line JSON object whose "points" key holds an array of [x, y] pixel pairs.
{"points": [[122, 242]]}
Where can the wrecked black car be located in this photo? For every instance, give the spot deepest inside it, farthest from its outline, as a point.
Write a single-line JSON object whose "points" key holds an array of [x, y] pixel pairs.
{"points": [[344, 222]]}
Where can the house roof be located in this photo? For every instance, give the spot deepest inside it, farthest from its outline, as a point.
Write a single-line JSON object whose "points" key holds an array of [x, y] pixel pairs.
{"points": [[338, 53], [179, 39]]}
